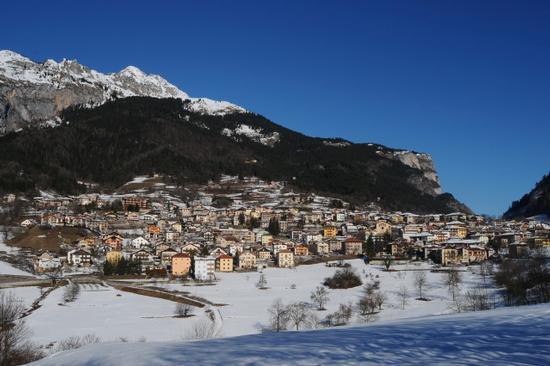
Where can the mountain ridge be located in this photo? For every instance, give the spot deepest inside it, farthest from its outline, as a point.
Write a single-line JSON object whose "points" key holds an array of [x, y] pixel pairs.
{"points": [[33, 92], [88, 106], [534, 203], [120, 139]]}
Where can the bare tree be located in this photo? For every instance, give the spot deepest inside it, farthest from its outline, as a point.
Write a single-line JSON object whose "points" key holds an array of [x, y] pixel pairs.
{"points": [[262, 282], [477, 299], [458, 304], [485, 271], [403, 296], [15, 348], [183, 310], [420, 281], [297, 314], [278, 315], [371, 286], [346, 312], [75, 342], [320, 297], [72, 290], [367, 306], [203, 329], [453, 281], [341, 316], [379, 299]]}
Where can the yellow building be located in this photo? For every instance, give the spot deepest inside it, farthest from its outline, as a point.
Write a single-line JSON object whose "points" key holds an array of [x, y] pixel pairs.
{"points": [[457, 230], [267, 239], [181, 264], [114, 256], [382, 227], [224, 263], [449, 256], [285, 259], [264, 254], [247, 260], [330, 231]]}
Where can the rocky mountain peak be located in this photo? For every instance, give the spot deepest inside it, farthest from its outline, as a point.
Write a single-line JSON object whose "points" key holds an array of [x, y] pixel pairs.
{"points": [[34, 93]]}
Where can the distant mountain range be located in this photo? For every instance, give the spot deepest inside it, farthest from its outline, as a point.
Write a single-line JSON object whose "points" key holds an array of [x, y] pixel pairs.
{"points": [[534, 203], [111, 127]]}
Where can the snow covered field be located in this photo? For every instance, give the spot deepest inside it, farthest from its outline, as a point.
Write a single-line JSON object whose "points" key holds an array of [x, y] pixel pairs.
{"points": [[7, 268], [246, 306], [506, 336], [27, 295], [101, 311], [111, 314]]}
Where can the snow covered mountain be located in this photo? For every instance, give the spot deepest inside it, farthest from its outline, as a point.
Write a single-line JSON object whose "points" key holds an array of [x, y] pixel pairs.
{"points": [[32, 92], [508, 336]]}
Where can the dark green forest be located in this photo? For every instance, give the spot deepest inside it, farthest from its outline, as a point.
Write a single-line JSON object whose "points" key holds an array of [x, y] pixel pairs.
{"points": [[536, 202], [111, 144]]}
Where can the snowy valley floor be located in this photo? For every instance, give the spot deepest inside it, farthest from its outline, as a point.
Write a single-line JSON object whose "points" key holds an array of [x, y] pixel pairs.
{"points": [[112, 315], [506, 336]]}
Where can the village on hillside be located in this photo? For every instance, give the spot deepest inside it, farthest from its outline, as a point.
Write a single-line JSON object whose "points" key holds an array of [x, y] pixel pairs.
{"points": [[244, 224]]}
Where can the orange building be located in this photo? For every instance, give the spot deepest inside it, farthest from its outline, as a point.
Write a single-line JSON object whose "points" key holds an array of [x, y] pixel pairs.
{"points": [[301, 250], [181, 264], [113, 240], [153, 230], [224, 263]]}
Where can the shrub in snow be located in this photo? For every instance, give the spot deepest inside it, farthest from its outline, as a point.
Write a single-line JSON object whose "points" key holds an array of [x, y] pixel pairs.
{"points": [[342, 316], [183, 310], [343, 278], [72, 290], [203, 329], [75, 342]]}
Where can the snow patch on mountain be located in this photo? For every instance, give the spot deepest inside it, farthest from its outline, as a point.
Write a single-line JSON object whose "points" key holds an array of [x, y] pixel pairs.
{"points": [[336, 143], [254, 134], [213, 107]]}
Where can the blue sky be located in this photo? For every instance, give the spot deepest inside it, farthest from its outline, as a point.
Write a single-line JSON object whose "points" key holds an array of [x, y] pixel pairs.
{"points": [[466, 81]]}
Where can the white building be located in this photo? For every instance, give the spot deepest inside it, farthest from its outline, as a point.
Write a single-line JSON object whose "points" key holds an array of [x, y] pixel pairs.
{"points": [[139, 242], [79, 257], [204, 268], [47, 262], [28, 223]]}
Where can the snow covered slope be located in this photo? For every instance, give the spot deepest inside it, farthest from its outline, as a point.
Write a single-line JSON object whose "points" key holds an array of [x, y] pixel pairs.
{"points": [[31, 91], [508, 336]]}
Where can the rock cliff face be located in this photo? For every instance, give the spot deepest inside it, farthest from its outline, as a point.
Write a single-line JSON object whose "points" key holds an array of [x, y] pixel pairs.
{"points": [[428, 180], [34, 93]]}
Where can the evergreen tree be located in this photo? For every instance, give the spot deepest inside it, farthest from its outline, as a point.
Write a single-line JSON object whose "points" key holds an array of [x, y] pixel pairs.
{"points": [[253, 223], [274, 228], [370, 247], [108, 268]]}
